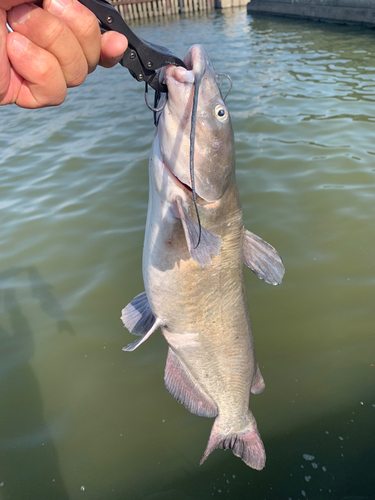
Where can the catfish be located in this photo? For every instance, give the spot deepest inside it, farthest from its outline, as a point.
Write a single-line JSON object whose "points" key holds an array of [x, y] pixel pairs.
{"points": [[193, 270]]}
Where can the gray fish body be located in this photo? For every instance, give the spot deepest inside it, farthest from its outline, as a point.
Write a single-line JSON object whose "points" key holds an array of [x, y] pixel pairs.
{"points": [[204, 310], [197, 295]]}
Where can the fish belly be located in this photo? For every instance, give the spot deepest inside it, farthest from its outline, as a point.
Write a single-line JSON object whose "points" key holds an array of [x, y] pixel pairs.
{"points": [[204, 312], [211, 364]]}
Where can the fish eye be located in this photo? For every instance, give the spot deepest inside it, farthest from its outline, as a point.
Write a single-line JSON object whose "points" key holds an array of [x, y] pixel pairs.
{"points": [[221, 113]]}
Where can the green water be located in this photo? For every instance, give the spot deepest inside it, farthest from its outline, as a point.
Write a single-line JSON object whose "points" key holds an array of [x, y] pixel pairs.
{"points": [[79, 418]]}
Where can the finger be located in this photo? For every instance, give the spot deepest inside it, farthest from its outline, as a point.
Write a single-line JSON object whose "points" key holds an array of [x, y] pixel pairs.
{"points": [[113, 47], [4, 61], [36, 77], [51, 33], [83, 24], [8, 4]]}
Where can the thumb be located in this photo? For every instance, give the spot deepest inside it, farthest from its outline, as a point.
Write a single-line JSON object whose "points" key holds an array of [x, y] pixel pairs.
{"points": [[113, 47]]}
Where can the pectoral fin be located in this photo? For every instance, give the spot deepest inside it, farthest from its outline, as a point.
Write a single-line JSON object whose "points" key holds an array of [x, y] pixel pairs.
{"points": [[137, 315], [134, 345], [182, 386], [209, 244], [139, 320], [262, 259]]}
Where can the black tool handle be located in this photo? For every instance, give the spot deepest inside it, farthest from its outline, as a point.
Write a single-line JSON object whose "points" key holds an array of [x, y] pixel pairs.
{"points": [[110, 18], [142, 58]]}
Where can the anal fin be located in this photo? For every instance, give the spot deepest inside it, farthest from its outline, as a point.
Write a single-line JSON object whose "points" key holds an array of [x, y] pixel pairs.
{"points": [[182, 386]]}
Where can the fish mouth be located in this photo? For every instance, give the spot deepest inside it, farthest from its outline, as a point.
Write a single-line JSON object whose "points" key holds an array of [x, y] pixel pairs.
{"points": [[180, 82], [195, 63]]}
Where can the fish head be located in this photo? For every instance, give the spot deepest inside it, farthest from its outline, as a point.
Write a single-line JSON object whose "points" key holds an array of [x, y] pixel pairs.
{"points": [[214, 160]]}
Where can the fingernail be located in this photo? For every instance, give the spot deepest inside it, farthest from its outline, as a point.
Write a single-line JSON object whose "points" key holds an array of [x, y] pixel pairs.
{"points": [[20, 14], [58, 7], [19, 44]]}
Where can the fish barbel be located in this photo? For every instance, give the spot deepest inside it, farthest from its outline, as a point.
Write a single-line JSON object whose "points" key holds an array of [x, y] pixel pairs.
{"points": [[196, 293]]}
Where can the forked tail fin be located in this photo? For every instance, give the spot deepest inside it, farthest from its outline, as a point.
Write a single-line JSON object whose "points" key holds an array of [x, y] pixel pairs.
{"points": [[246, 444]]}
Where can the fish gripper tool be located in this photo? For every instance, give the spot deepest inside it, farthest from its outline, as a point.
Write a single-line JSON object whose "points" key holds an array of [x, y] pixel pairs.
{"points": [[142, 58]]}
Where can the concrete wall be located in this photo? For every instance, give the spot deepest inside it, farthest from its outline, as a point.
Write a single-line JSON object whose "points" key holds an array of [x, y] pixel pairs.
{"points": [[347, 11]]}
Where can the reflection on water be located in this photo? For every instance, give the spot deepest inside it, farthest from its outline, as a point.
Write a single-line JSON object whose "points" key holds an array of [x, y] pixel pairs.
{"points": [[28, 459], [79, 417]]}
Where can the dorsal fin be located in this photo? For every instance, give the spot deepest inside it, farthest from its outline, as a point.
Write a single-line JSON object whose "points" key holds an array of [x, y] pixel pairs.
{"points": [[262, 259]]}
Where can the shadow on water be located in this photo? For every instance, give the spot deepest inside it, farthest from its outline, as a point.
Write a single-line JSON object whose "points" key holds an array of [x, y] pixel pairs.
{"points": [[29, 467]]}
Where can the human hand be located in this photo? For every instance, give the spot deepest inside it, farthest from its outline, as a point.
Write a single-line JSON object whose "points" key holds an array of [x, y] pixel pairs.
{"points": [[51, 49]]}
